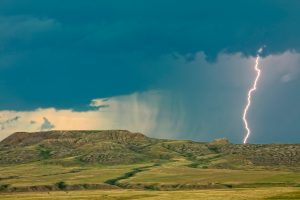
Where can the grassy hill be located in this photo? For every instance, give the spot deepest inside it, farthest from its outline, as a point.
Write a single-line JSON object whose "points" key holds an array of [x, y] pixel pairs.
{"points": [[114, 159], [124, 147]]}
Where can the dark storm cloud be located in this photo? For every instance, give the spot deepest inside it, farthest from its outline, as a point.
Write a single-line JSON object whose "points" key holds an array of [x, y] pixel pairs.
{"points": [[162, 26], [116, 42], [23, 28], [63, 54]]}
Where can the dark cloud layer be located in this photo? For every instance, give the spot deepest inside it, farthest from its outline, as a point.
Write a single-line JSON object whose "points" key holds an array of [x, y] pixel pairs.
{"points": [[159, 27], [63, 54], [116, 42]]}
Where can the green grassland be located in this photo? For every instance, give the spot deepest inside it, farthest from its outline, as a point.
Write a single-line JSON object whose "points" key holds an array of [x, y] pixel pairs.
{"points": [[184, 175], [39, 173], [124, 165], [176, 173], [180, 172]]}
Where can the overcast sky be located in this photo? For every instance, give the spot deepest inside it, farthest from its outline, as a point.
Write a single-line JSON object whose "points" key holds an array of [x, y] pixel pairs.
{"points": [[168, 69]]}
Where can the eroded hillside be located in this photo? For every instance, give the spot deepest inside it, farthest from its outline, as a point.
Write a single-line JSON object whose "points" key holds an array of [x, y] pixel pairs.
{"points": [[124, 147]]}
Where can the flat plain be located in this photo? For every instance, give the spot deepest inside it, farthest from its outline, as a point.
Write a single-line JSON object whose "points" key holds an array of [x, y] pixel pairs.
{"points": [[212, 194]]}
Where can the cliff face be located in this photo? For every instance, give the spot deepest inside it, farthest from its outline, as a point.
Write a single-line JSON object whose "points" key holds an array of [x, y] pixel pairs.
{"points": [[123, 147]]}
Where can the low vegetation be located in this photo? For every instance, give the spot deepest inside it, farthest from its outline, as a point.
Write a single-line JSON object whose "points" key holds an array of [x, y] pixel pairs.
{"points": [[114, 160]]}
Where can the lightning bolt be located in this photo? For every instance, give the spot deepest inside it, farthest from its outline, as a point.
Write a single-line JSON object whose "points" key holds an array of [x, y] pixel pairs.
{"points": [[250, 92]]}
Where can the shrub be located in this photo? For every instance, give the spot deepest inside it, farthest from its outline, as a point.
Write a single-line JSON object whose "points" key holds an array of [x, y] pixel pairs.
{"points": [[3, 187], [61, 185], [44, 153]]}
